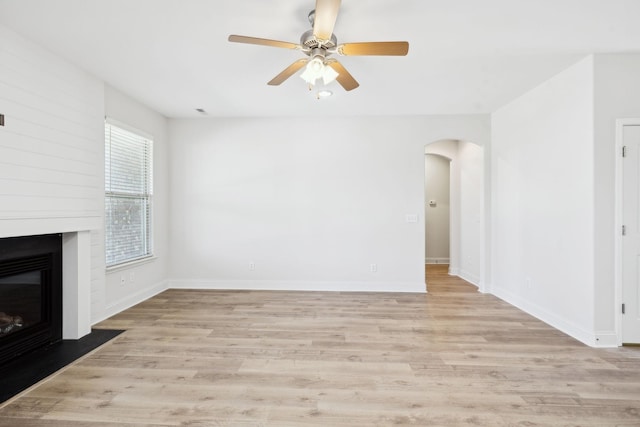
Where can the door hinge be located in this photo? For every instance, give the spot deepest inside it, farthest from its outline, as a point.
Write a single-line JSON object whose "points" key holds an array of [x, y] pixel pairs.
{"points": [[622, 308], [624, 230], [624, 151]]}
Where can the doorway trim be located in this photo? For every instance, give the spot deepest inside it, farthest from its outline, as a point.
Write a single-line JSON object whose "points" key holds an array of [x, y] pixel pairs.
{"points": [[618, 286]]}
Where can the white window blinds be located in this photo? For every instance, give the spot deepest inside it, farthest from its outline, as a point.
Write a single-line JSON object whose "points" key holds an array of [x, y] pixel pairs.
{"points": [[128, 191]]}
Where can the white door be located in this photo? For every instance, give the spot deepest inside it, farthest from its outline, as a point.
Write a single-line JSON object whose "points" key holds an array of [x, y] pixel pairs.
{"points": [[631, 238]]}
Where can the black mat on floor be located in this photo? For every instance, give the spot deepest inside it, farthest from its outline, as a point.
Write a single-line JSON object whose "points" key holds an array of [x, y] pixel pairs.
{"points": [[22, 373]]}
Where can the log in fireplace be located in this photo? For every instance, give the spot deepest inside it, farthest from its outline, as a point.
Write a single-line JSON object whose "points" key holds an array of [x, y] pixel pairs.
{"points": [[30, 294]]}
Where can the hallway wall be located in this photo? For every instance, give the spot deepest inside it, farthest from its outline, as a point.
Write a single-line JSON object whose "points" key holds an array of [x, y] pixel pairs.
{"points": [[437, 189], [542, 156]]}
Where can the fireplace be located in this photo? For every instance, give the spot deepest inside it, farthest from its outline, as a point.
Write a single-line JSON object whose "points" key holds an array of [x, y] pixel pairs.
{"points": [[30, 294]]}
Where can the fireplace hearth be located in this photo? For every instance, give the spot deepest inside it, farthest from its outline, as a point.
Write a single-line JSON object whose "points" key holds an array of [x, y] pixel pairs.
{"points": [[30, 294]]}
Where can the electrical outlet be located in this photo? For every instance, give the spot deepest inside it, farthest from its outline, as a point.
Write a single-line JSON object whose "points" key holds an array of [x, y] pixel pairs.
{"points": [[122, 280], [132, 276], [252, 266], [374, 268]]}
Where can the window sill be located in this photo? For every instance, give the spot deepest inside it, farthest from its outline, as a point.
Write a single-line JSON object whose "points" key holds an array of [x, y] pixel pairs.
{"points": [[130, 264]]}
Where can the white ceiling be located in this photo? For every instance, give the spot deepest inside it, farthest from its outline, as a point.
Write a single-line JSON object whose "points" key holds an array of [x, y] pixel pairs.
{"points": [[465, 56]]}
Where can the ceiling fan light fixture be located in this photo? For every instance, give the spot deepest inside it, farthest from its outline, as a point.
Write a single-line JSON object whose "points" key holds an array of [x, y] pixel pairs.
{"points": [[309, 77], [329, 75], [313, 71], [316, 66], [316, 69]]}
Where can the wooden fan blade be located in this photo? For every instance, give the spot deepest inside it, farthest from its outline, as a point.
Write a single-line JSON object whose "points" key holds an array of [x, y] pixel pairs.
{"points": [[288, 72], [374, 48], [264, 42], [345, 79], [325, 19]]}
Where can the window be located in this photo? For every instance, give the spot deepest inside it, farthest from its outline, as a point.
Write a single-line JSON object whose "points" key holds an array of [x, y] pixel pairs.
{"points": [[128, 195]]}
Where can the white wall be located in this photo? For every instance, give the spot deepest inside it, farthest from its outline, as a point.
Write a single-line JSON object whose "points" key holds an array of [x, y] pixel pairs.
{"points": [[472, 214], [141, 280], [311, 204], [437, 188], [542, 155], [617, 95]]}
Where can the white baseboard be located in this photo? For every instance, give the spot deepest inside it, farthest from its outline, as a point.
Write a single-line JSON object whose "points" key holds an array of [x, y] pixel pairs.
{"points": [[586, 337], [289, 285], [436, 260], [471, 278], [606, 339], [132, 300]]}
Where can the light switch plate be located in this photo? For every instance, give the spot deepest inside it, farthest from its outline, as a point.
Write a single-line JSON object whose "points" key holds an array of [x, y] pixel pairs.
{"points": [[411, 218]]}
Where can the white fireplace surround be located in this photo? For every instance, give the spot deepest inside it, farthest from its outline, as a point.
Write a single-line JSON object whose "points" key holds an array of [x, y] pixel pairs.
{"points": [[76, 265]]}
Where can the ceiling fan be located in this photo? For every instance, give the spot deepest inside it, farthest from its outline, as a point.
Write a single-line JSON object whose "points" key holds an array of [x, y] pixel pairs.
{"points": [[319, 43]]}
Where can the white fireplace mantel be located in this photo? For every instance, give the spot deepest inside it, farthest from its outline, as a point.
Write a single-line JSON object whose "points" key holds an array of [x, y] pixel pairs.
{"points": [[16, 227]]}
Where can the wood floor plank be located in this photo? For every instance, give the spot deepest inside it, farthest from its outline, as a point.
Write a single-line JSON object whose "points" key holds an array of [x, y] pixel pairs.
{"points": [[451, 357]]}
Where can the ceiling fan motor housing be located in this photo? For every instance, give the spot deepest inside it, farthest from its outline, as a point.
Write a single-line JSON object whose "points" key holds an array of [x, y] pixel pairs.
{"points": [[311, 43]]}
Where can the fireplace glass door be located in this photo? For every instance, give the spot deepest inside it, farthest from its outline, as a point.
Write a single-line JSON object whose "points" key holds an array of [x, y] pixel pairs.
{"points": [[20, 302], [30, 294]]}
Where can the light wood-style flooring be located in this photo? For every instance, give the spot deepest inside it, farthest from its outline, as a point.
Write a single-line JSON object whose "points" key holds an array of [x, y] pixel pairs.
{"points": [[452, 357]]}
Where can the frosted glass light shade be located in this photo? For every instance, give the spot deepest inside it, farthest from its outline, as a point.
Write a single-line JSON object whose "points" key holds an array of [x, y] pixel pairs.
{"points": [[329, 75], [316, 69]]}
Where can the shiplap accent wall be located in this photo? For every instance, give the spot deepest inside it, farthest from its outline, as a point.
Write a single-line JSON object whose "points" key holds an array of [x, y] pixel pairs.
{"points": [[51, 155], [51, 149]]}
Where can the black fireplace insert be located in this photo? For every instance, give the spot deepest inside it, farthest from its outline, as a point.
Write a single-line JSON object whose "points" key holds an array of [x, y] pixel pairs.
{"points": [[30, 294]]}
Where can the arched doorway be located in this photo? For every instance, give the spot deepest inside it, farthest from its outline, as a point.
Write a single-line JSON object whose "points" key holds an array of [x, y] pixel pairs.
{"points": [[465, 208]]}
